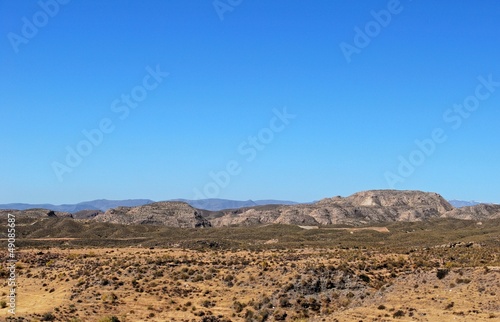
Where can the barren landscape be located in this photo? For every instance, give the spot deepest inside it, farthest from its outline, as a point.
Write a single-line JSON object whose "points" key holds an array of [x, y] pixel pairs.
{"points": [[249, 161], [156, 263]]}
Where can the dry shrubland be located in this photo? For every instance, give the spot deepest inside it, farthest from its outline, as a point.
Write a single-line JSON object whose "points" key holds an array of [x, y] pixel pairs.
{"points": [[134, 284], [274, 273]]}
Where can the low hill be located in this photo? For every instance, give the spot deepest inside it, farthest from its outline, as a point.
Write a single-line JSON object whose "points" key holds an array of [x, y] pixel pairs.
{"points": [[35, 213], [100, 204], [86, 214], [374, 206], [212, 204], [173, 214], [477, 212]]}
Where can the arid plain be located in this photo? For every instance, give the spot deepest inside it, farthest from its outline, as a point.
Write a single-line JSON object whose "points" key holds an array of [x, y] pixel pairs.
{"points": [[432, 269]]}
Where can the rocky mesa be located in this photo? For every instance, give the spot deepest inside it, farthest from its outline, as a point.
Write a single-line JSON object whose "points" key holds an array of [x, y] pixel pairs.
{"points": [[359, 208]]}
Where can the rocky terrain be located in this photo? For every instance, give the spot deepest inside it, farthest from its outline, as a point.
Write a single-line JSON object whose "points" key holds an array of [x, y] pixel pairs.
{"points": [[372, 256], [36, 213], [294, 284], [374, 206], [213, 204], [359, 208], [173, 214], [100, 204], [86, 214], [477, 212]]}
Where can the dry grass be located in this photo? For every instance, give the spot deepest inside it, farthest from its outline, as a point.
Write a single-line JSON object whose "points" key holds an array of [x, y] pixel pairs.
{"points": [[428, 271], [141, 284]]}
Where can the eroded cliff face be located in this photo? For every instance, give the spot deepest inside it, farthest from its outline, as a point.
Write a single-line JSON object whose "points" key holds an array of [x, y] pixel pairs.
{"points": [[396, 198], [359, 208]]}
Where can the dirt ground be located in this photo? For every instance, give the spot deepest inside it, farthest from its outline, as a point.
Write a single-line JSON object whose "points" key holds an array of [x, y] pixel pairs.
{"points": [[313, 284]]}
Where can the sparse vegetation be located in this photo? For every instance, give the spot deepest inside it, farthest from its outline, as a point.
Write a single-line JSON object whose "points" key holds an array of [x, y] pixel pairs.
{"points": [[48, 317], [109, 319], [442, 272], [306, 274]]}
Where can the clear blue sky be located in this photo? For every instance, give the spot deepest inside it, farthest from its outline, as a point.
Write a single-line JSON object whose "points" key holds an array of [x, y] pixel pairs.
{"points": [[359, 101]]}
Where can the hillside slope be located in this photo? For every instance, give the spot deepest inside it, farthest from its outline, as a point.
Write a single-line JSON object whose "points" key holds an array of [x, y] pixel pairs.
{"points": [[374, 206], [359, 208], [477, 212], [173, 214]]}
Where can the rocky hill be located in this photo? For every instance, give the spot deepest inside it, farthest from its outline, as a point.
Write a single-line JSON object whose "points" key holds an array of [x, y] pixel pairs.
{"points": [[393, 198], [359, 208], [173, 214], [100, 204], [212, 204], [374, 206], [86, 214], [35, 213], [477, 212]]}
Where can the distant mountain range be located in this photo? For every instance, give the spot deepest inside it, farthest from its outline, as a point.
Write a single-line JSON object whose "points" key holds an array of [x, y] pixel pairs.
{"points": [[221, 204], [206, 204], [461, 203], [103, 204], [100, 204]]}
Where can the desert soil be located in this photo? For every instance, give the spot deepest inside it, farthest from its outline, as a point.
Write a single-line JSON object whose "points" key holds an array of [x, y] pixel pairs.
{"points": [[312, 284]]}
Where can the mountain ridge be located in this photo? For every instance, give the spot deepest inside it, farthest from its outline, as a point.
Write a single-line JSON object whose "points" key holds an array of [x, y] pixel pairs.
{"points": [[463, 203], [372, 206], [358, 208], [98, 204], [103, 205]]}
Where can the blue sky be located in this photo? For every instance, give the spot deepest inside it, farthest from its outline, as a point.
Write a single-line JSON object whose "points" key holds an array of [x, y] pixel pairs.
{"points": [[210, 85]]}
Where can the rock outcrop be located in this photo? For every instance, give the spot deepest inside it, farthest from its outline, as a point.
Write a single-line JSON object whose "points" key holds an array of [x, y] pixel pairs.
{"points": [[173, 214], [374, 206], [359, 208], [477, 212], [35, 213], [87, 214]]}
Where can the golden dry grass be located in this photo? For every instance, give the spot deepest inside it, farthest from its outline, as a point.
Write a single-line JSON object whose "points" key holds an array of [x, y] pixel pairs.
{"points": [[309, 284]]}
